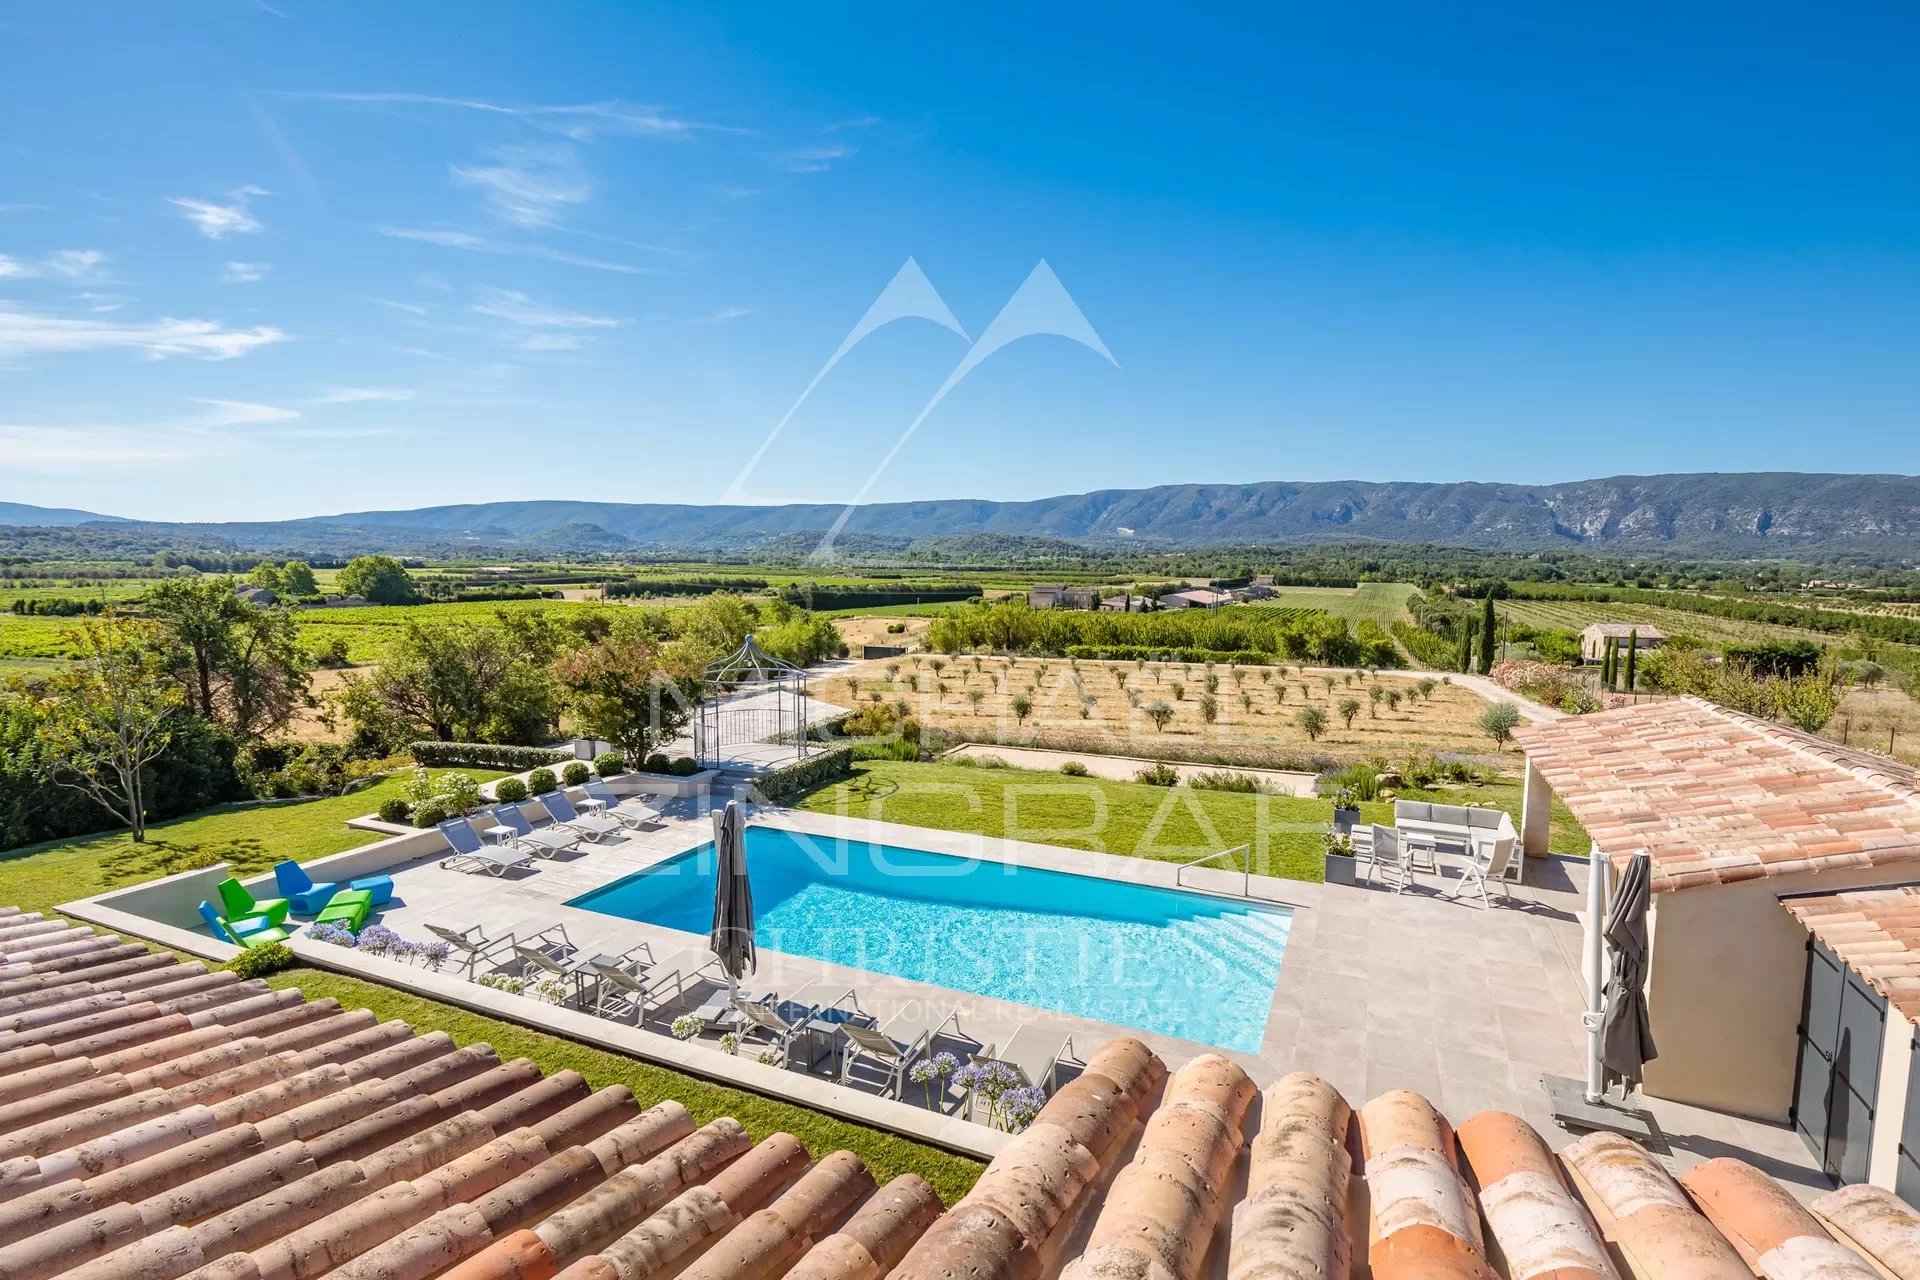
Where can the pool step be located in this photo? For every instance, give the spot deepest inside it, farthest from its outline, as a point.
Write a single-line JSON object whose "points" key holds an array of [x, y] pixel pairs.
{"points": [[1239, 944]]}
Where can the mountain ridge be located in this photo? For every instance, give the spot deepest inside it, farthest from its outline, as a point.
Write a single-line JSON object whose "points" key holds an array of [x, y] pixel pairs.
{"points": [[1762, 513]]}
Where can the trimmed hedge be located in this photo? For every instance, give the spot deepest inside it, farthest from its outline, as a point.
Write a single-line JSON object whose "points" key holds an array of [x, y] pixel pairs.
{"points": [[805, 775], [485, 755]]}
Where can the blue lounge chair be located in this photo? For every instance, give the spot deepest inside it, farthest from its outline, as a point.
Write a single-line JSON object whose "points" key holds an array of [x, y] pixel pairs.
{"points": [[246, 931], [631, 813], [545, 843], [469, 854], [297, 887], [589, 825]]}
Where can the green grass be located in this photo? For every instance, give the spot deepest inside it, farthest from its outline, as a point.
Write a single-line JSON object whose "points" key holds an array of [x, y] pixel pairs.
{"points": [[251, 836], [885, 1155], [254, 837], [1384, 602], [1167, 824]]}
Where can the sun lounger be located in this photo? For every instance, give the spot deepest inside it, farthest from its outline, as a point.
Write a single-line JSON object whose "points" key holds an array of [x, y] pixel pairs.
{"points": [[893, 1048], [300, 889], [1034, 1051], [640, 989], [631, 813], [236, 902], [471, 946], [469, 854], [547, 843], [242, 931], [591, 826]]}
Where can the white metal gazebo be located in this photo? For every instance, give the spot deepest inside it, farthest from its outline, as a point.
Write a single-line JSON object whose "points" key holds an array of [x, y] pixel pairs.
{"points": [[753, 699]]}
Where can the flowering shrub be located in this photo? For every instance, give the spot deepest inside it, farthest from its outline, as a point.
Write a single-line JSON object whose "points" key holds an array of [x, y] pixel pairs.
{"points": [[434, 953], [338, 934], [687, 1026], [1021, 1105], [1540, 681], [730, 1042], [768, 1057], [995, 1082], [550, 990], [502, 982]]}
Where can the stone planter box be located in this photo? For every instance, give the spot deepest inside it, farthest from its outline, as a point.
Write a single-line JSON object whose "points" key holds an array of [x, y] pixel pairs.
{"points": [[1343, 869], [665, 784]]}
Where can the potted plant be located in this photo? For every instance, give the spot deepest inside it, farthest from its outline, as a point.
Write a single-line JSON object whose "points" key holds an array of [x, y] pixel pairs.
{"points": [[1340, 861], [1346, 812]]}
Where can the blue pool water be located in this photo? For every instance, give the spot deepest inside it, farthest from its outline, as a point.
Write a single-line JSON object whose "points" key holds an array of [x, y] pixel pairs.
{"points": [[1183, 964]]}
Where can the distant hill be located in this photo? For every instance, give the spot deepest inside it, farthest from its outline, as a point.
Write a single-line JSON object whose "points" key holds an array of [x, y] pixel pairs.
{"points": [[22, 516], [1771, 514]]}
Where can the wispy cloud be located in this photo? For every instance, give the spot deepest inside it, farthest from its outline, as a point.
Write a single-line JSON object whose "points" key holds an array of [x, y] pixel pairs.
{"points": [[20, 208], [578, 121], [215, 220], [814, 159], [411, 308], [72, 264], [241, 413], [723, 315], [57, 449], [452, 238], [529, 186], [516, 308], [361, 395], [243, 272], [37, 333]]}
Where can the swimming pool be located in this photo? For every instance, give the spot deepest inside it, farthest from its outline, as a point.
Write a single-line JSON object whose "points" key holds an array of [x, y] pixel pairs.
{"points": [[1182, 964]]}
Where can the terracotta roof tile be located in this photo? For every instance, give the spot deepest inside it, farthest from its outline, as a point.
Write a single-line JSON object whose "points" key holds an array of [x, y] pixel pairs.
{"points": [[1715, 796], [1874, 932], [244, 1149]]}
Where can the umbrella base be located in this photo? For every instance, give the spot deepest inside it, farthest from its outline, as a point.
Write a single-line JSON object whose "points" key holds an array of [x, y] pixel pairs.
{"points": [[1568, 1098]]}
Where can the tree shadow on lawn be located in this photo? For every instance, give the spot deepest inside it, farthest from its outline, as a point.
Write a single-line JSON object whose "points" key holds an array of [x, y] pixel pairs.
{"points": [[133, 863]]}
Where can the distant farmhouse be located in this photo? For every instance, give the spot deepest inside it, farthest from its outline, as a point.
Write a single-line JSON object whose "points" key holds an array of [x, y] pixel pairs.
{"points": [[1061, 596], [1593, 641], [1196, 598], [258, 597]]}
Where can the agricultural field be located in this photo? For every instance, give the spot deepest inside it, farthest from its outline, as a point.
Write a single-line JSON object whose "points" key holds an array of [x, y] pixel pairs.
{"points": [[1576, 615], [1384, 602], [1097, 699]]}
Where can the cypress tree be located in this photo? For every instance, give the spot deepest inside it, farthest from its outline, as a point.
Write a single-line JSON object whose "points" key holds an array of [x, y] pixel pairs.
{"points": [[1486, 634], [1633, 647], [1606, 665], [1466, 645]]}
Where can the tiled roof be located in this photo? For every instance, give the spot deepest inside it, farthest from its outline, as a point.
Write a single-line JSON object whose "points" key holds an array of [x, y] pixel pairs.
{"points": [[1875, 932], [158, 1121], [1625, 629], [1716, 796]]}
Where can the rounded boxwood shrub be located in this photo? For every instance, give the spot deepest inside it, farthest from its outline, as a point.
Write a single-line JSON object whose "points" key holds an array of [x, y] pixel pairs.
{"points": [[684, 767], [429, 812], [394, 810], [575, 774], [608, 763], [510, 791], [258, 962], [656, 763], [541, 781]]}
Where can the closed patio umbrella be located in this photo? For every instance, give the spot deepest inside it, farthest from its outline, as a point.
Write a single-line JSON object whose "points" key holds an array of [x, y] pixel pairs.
{"points": [[732, 938], [1626, 1036]]}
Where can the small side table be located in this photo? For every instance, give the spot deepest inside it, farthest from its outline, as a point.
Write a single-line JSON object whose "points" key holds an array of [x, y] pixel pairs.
{"points": [[590, 805], [499, 835]]}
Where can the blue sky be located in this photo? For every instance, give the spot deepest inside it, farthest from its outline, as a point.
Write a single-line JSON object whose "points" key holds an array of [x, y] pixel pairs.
{"points": [[283, 257]]}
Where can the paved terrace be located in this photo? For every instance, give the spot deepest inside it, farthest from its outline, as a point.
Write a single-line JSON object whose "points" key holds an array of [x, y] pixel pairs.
{"points": [[1378, 991]]}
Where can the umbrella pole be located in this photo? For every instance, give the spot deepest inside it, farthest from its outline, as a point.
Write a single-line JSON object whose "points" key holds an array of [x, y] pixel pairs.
{"points": [[1595, 969]]}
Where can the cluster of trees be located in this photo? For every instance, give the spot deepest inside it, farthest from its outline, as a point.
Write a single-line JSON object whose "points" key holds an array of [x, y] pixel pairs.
{"points": [[1805, 698], [1012, 627], [293, 578], [630, 677]]}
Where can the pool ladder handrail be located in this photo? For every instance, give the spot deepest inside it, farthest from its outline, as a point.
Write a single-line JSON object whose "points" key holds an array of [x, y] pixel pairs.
{"points": [[1246, 874]]}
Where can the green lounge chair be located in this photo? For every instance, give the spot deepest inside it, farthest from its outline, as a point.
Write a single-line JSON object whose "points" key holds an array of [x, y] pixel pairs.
{"points": [[235, 901], [246, 931], [349, 907]]}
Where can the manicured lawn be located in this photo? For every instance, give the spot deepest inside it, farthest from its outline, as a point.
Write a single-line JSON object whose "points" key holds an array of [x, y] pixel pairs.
{"points": [[885, 1154], [1169, 824], [252, 837]]}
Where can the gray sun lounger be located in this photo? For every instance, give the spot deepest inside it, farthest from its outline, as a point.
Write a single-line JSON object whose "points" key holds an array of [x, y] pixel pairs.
{"points": [[1034, 1051], [545, 843], [896, 1046], [590, 826], [631, 813], [470, 854], [472, 946], [643, 988]]}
